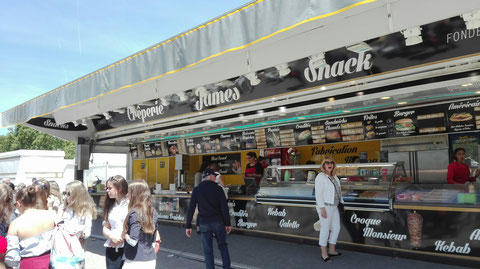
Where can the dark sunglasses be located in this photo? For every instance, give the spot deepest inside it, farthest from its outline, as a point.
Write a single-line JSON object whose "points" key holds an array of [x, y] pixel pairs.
{"points": [[66, 194], [329, 163], [41, 184]]}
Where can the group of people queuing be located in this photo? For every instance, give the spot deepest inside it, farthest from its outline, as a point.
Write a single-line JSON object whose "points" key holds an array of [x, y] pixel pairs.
{"points": [[32, 212], [130, 225], [32, 217]]}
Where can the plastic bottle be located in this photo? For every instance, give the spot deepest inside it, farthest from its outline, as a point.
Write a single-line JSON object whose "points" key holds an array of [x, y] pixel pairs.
{"points": [[471, 188]]}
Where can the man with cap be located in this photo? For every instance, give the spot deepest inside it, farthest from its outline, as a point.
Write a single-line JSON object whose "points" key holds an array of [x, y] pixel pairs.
{"points": [[213, 217]]}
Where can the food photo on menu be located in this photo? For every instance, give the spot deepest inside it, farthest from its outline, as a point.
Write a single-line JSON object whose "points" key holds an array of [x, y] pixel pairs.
{"points": [[158, 149], [303, 134], [404, 125], [460, 116], [173, 149], [333, 136], [273, 137], [370, 130], [461, 121]]}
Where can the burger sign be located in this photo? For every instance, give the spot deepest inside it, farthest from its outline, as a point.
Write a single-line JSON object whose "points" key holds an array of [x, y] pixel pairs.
{"points": [[404, 122]]}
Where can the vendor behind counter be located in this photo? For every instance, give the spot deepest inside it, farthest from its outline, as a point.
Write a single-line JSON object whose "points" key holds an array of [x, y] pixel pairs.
{"points": [[458, 172]]}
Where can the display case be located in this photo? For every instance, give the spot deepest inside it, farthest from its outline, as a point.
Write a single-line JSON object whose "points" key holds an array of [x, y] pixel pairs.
{"points": [[365, 186], [290, 184], [371, 186], [453, 195]]}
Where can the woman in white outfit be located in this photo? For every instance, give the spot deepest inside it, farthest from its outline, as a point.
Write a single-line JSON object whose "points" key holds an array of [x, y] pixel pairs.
{"points": [[327, 195]]}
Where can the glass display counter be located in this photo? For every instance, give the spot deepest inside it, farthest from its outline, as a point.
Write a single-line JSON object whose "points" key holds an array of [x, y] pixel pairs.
{"points": [[365, 186], [454, 195], [370, 186]]}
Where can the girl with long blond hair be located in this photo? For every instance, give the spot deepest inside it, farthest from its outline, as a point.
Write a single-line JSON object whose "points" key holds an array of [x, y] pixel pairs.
{"points": [[79, 210], [328, 195], [140, 230], [55, 198]]}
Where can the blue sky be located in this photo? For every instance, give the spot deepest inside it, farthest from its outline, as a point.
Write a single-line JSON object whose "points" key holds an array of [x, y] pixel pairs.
{"points": [[46, 43]]}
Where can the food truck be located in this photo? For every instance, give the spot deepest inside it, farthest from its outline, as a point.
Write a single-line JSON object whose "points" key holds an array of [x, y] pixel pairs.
{"points": [[395, 84]]}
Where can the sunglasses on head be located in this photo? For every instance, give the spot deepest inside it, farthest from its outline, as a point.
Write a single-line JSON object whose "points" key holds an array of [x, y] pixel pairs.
{"points": [[66, 193], [41, 184]]}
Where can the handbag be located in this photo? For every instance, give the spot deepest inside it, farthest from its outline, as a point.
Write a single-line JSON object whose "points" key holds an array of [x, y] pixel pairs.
{"points": [[341, 206]]}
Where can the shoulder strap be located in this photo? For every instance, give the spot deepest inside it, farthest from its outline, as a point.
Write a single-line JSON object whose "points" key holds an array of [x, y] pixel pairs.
{"points": [[334, 186]]}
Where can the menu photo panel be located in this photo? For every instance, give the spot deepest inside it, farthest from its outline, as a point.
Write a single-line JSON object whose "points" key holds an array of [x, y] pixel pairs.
{"points": [[461, 116]]}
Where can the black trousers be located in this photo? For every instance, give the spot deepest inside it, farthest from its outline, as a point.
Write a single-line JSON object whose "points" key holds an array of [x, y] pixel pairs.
{"points": [[114, 258]]}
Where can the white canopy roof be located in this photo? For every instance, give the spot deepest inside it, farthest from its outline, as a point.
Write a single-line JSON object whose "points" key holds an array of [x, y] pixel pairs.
{"points": [[258, 35]]}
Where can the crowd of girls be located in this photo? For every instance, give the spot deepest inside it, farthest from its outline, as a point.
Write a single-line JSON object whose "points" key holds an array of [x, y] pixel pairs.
{"points": [[31, 215]]}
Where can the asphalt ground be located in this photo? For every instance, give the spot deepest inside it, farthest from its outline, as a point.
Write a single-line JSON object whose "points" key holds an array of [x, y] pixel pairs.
{"points": [[178, 251]]}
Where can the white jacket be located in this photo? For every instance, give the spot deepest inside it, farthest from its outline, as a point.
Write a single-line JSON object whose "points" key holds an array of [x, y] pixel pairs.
{"points": [[325, 190]]}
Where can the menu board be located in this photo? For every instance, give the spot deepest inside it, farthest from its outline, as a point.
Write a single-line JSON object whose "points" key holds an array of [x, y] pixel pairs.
{"points": [[461, 116], [172, 147], [318, 134], [405, 123], [236, 141], [228, 163], [287, 136], [134, 151], [477, 117], [146, 148], [248, 140], [155, 150], [377, 125], [333, 129], [351, 129], [182, 148], [303, 134], [431, 121], [457, 116], [261, 138], [190, 144], [215, 144], [229, 142], [273, 137]]}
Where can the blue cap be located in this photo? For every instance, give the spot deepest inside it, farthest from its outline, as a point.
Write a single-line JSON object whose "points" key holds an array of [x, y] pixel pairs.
{"points": [[208, 172]]}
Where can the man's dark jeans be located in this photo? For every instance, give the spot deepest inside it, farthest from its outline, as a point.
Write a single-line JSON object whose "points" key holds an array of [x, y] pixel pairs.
{"points": [[207, 230]]}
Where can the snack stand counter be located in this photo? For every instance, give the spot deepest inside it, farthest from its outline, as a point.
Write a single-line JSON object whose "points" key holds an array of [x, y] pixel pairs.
{"points": [[385, 211]]}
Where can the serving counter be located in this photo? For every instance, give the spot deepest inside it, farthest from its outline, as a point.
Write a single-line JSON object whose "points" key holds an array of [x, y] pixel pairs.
{"points": [[385, 211]]}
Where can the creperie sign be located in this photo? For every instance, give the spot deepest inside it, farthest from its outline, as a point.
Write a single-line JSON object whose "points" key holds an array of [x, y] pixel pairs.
{"points": [[339, 68]]}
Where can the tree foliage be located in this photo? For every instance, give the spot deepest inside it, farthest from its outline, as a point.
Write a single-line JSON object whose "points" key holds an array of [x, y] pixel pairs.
{"points": [[22, 137]]}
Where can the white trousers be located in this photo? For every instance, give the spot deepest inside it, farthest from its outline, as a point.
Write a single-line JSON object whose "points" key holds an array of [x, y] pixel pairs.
{"points": [[329, 226], [128, 264]]}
